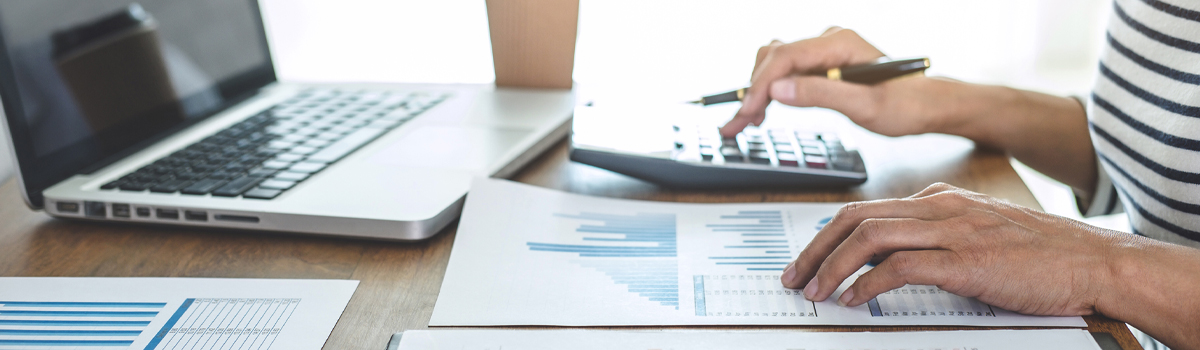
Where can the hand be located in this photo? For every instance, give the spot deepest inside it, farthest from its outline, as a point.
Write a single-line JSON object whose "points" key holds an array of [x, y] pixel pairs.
{"points": [[794, 74], [966, 243]]}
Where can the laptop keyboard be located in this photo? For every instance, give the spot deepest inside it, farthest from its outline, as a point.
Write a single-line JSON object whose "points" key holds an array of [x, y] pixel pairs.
{"points": [[269, 153]]}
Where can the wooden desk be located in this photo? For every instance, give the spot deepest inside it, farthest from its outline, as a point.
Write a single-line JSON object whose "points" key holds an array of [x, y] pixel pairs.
{"points": [[400, 281]]}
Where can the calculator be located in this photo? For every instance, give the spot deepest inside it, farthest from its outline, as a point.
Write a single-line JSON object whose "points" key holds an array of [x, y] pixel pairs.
{"points": [[695, 155]]}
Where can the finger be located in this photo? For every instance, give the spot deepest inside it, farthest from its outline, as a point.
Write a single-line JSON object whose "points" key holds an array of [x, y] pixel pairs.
{"points": [[878, 237], [850, 216], [762, 54], [812, 91], [831, 30], [926, 267], [935, 188], [839, 48], [740, 120]]}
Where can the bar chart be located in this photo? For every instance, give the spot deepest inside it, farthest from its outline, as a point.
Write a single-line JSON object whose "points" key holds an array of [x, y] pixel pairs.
{"points": [[755, 240], [95, 325], [638, 251], [195, 324]]}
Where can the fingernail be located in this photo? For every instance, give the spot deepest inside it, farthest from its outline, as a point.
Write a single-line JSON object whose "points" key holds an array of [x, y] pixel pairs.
{"points": [[810, 291], [847, 296], [783, 90], [789, 274]]}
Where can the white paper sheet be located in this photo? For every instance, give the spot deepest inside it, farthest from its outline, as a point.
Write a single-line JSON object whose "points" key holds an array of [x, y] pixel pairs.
{"points": [[1058, 339], [169, 313], [530, 256]]}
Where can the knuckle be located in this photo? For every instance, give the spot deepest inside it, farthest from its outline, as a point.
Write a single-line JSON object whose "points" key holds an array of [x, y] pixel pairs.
{"points": [[941, 187], [869, 233], [904, 264], [849, 210]]}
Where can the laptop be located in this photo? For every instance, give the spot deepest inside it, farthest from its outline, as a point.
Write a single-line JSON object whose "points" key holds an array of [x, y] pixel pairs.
{"points": [[169, 112]]}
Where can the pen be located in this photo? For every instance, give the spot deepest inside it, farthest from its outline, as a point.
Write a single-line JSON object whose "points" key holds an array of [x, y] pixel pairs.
{"points": [[862, 74]]}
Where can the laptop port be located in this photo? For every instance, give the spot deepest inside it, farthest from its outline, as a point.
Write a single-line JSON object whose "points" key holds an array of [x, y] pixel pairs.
{"points": [[194, 215], [143, 212], [172, 214], [236, 218], [94, 209], [120, 210], [67, 207]]}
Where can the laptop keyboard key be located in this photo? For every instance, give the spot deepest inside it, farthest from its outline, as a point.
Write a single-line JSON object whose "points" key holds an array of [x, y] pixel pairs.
{"points": [[303, 150], [203, 187], [170, 186], [275, 164], [277, 184], [307, 167], [346, 145], [291, 176], [237, 186], [134, 186], [262, 193]]}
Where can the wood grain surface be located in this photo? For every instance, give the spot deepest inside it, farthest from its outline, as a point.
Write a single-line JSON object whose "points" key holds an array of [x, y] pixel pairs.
{"points": [[400, 281]]}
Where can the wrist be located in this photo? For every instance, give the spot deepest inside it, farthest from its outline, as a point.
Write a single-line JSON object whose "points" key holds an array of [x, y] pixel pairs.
{"points": [[1114, 278], [973, 111]]}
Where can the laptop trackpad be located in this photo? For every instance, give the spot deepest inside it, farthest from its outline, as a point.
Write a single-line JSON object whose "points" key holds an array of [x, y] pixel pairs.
{"points": [[450, 147]]}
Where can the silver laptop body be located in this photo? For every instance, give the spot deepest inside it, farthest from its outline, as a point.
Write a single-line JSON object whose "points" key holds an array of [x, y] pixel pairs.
{"points": [[406, 184]]}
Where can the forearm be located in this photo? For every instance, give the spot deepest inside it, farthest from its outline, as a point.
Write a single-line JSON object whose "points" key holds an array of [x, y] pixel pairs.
{"points": [[1048, 133], [1154, 287]]}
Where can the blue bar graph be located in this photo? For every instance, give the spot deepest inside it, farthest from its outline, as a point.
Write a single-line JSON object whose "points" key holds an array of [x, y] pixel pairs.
{"points": [[74, 324], [658, 229], [760, 232], [636, 243]]}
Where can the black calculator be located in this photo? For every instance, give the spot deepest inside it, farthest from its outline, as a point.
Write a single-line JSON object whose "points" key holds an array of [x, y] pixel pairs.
{"points": [[696, 156]]}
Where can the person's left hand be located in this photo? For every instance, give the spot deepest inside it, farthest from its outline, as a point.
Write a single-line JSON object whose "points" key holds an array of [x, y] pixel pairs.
{"points": [[966, 243]]}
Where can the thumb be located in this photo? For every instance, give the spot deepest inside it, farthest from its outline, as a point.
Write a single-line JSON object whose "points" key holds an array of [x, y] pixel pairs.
{"points": [[810, 91]]}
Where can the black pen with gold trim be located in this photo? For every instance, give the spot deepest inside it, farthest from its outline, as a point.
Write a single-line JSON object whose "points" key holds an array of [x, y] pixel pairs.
{"points": [[862, 74]]}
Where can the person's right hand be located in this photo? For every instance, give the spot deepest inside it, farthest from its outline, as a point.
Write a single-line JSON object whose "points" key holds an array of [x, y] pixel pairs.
{"points": [[794, 74]]}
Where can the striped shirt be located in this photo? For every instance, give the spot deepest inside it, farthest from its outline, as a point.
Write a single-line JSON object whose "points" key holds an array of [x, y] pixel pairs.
{"points": [[1144, 115]]}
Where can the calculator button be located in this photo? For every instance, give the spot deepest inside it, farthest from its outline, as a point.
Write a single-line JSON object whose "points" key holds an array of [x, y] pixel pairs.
{"points": [[756, 146], [813, 151], [783, 147], [706, 151], [787, 159], [760, 157], [805, 135], [731, 154], [818, 162], [729, 142], [811, 143]]}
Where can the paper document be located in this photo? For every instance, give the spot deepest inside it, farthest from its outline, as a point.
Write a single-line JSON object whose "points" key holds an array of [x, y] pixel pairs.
{"points": [[1058, 339], [169, 313], [525, 255]]}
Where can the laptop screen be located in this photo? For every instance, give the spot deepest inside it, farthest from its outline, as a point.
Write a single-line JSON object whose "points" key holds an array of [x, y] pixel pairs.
{"points": [[84, 83]]}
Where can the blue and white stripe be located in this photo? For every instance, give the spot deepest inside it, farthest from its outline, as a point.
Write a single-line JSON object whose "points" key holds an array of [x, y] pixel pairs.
{"points": [[1145, 118], [73, 325]]}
